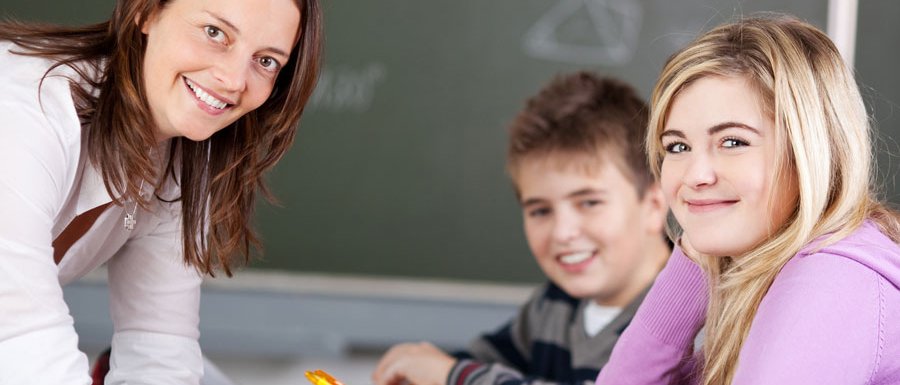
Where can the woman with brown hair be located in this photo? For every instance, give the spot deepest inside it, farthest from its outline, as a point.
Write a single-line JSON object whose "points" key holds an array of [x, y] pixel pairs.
{"points": [[140, 143]]}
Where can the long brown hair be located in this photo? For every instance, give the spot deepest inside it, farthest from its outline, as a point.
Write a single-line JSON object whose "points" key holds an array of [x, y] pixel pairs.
{"points": [[219, 176], [824, 137]]}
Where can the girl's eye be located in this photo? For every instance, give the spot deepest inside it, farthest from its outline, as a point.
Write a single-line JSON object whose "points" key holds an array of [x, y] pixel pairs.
{"points": [[214, 33], [269, 64], [589, 203], [676, 147], [733, 142]]}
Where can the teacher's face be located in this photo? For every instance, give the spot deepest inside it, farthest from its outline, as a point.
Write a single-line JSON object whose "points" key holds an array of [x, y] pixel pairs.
{"points": [[209, 62]]}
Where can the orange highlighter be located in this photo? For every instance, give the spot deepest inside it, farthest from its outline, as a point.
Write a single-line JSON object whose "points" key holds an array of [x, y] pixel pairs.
{"points": [[320, 377]]}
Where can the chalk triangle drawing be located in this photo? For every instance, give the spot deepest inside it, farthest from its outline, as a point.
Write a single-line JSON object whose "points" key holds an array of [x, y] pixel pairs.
{"points": [[610, 39]]}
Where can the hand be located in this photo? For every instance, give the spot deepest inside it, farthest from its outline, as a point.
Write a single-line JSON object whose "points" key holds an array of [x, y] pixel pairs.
{"points": [[414, 363]]}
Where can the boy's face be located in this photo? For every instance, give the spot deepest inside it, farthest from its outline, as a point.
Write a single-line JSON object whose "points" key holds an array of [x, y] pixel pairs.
{"points": [[588, 230]]}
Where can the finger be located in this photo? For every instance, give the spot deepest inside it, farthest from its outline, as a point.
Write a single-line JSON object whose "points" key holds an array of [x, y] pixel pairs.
{"points": [[389, 359], [390, 375]]}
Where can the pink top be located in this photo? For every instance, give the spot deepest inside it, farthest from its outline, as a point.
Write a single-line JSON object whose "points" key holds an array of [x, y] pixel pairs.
{"points": [[830, 317]]}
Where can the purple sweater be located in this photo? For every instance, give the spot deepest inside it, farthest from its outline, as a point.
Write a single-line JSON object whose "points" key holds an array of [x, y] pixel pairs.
{"points": [[830, 317]]}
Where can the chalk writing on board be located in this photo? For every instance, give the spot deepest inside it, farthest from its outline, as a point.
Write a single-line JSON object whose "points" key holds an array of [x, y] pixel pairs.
{"points": [[345, 89], [598, 32]]}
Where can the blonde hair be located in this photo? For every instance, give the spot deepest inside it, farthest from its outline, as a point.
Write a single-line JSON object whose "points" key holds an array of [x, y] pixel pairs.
{"points": [[823, 134]]}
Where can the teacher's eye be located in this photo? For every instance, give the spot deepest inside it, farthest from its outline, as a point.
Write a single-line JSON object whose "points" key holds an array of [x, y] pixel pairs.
{"points": [[733, 142], [676, 147], [214, 33], [269, 64]]}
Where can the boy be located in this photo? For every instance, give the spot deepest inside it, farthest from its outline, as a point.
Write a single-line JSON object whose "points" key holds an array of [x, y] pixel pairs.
{"points": [[594, 219]]}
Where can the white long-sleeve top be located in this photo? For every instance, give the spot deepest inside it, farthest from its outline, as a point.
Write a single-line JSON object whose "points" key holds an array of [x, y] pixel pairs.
{"points": [[45, 182]]}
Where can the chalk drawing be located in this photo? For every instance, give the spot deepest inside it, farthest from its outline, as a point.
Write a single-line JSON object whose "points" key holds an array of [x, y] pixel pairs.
{"points": [[599, 32], [345, 89]]}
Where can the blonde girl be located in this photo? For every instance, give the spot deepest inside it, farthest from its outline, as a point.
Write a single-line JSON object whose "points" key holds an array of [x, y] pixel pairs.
{"points": [[762, 145]]}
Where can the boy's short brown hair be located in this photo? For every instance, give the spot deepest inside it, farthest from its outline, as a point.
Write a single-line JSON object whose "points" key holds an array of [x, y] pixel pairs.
{"points": [[583, 114]]}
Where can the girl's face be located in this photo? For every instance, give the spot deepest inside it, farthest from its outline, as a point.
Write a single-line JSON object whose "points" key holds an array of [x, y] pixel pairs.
{"points": [[209, 62], [718, 173]]}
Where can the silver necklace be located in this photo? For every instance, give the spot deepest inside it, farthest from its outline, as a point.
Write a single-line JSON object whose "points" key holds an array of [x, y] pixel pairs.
{"points": [[129, 217]]}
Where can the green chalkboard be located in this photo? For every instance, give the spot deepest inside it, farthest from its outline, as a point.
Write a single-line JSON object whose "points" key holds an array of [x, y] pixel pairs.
{"points": [[876, 65], [398, 169], [398, 165], [59, 12]]}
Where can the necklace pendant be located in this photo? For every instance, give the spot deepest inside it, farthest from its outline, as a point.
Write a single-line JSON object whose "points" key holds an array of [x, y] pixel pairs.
{"points": [[129, 221]]}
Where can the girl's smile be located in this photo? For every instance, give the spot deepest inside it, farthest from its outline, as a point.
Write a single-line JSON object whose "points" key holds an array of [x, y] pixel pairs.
{"points": [[698, 206]]}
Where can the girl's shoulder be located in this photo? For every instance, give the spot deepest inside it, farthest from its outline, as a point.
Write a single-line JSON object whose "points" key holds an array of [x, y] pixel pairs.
{"points": [[865, 248], [848, 279], [834, 311]]}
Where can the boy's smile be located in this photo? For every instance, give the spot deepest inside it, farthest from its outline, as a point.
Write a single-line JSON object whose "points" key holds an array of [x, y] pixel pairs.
{"points": [[587, 227], [575, 262]]}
